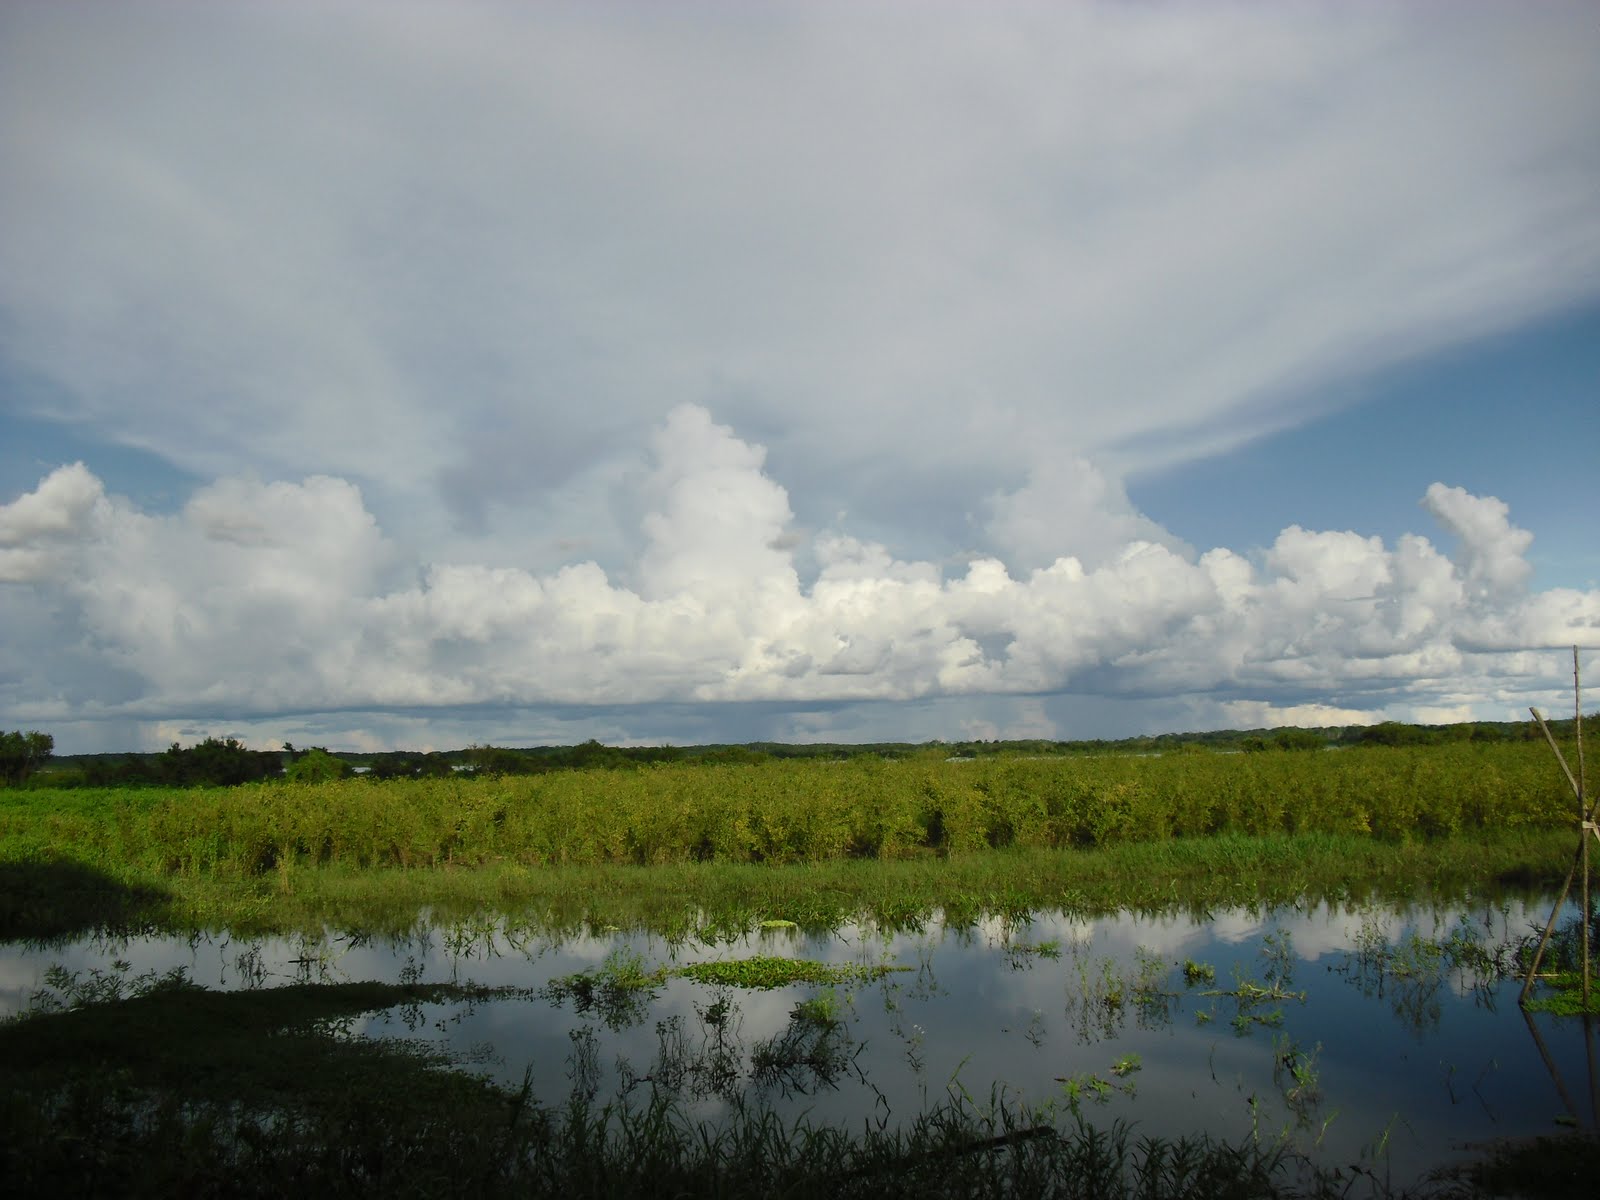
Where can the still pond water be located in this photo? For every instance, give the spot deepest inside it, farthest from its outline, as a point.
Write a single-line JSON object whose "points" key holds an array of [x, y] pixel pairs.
{"points": [[1374, 1035]]}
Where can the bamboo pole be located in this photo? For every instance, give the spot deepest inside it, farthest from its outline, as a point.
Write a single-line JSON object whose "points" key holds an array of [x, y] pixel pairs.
{"points": [[1580, 857], [1549, 928], [1583, 822], [1560, 758]]}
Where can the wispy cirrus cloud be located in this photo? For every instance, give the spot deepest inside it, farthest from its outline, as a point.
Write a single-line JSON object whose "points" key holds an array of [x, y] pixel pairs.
{"points": [[441, 252]]}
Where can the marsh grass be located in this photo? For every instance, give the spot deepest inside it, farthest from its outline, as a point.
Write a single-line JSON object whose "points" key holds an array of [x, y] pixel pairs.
{"points": [[619, 990], [1560, 985], [1093, 1087], [172, 1090], [1022, 956], [1101, 991], [647, 1150], [825, 1010], [785, 811], [653, 1150], [120, 1084], [813, 1051], [1298, 1074], [765, 971], [622, 987], [719, 849], [1561, 995], [727, 900], [1562, 1165], [1412, 970], [156, 1087]]}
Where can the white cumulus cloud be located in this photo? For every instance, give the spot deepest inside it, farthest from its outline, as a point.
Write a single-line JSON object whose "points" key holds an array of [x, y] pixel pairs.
{"points": [[271, 598]]}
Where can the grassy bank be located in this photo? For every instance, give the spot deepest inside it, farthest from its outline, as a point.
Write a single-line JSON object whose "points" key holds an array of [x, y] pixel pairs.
{"points": [[41, 899]]}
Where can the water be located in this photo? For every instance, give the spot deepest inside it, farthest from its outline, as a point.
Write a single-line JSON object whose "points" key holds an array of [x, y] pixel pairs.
{"points": [[1344, 1031]]}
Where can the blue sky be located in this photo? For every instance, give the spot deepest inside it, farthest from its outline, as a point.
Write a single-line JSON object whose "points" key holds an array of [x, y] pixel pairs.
{"points": [[1516, 416], [418, 375]]}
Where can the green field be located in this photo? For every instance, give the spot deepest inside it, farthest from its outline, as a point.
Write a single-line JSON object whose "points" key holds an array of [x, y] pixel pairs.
{"points": [[791, 812], [672, 845]]}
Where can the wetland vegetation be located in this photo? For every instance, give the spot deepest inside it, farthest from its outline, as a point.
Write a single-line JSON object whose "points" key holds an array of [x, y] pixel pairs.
{"points": [[733, 879], [783, 812]]}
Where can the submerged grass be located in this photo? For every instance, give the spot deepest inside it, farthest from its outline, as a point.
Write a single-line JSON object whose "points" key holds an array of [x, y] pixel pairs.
{"points": [[1560, 990], [180, 1091], [618, 991], [764, 971], [1561, 995], [650, 1150]]}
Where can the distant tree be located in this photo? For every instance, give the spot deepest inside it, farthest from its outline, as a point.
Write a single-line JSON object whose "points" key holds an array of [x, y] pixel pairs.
{"points": [[492, 760], [392, 767], [1298, 739], [21, 754], [131, 771], [316, 766], [594, 754], [736, 755], [1394, 733], [435, 766], [217, 762]]}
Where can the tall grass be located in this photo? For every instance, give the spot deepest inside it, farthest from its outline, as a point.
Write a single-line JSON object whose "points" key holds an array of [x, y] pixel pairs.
{"points": [[789, 811], [93, 1145]]}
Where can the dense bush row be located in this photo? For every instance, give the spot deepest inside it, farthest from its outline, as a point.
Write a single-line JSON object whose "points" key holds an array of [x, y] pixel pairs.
{"points": [[218, 762], [790, 811]]}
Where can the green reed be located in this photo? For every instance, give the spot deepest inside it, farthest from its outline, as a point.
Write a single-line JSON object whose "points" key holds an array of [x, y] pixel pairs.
{"points": [[57, 899], [789, 811]]}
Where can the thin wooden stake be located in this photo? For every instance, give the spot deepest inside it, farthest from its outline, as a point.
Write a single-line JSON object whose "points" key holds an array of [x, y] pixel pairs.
{"points": [[1577, 721], [1560, 758], [1550, 925], [1583, 820], [1580, 857]]}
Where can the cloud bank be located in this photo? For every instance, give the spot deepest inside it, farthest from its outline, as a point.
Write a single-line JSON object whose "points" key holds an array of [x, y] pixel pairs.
{"points": [[437, 302], [259, 599]]}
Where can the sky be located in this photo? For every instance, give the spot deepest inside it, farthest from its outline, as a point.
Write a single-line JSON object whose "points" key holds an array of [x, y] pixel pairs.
{"points": [[422, 375]]}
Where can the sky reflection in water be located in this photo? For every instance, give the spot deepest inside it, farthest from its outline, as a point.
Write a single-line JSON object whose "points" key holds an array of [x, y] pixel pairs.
{"points": [[1366, 1048]]}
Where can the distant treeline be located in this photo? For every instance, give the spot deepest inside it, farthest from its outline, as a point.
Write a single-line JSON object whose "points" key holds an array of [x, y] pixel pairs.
{"points": [[215, 762], [218, 762]]}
